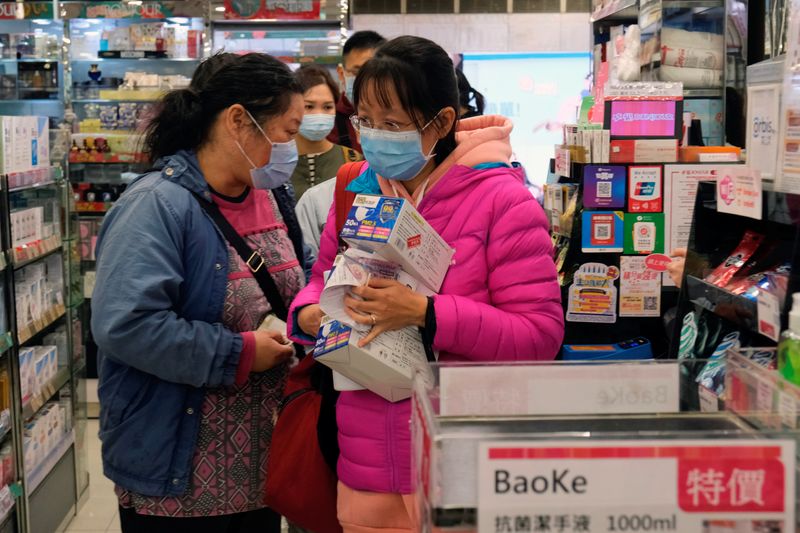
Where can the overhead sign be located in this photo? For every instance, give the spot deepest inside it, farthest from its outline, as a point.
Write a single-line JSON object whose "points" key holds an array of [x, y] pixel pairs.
{"points": [[272, 9], [122, 10], [27, 10], [687, 486]]}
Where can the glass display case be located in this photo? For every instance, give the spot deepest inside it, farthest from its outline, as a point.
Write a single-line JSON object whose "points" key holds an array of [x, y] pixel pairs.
{"points": [[701, 43], [593, 447], [31, 71], [310, 31]]}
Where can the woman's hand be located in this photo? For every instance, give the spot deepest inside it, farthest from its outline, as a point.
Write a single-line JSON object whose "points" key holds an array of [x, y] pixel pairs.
{"points": [[309, 319], [272, 349], [676, 266], [388, 305]]}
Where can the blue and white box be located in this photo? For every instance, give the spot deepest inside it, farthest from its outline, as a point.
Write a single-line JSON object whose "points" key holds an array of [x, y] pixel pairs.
{"points": [[393, 229], [386, 366]]}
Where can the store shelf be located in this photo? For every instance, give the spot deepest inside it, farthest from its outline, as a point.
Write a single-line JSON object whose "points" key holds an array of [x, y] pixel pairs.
{"points": [[115, 101], [6, 342], [83, 208], [40, 472], [702, 93], [31, 101], [49, 317], [110, 159], [31, 179], [692, 4], [142, 59], [25, 255], [37, 401], [6, 503], [262, 23], [619, 9], [735, 308], [5, 425], [28, 60], [760, 395]]}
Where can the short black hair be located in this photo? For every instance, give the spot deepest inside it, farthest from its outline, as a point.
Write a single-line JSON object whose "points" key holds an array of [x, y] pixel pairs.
{"points": [[363, 40], [422, 75], [310, 75]]}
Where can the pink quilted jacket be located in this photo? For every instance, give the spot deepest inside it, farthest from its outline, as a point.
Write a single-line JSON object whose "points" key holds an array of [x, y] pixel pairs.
{"points": [[500, 300]]}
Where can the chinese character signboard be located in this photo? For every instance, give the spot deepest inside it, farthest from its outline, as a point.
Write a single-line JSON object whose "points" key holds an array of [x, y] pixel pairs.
{"points": [[668, 485], [123, 10], [26, 10], [272, 9]]}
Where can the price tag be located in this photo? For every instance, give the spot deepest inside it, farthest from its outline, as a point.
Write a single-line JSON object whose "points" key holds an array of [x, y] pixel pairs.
{"points": [[557, 389], [769, 315], [764, 393], [635, 485], [709, 402], [131, 54], [788, 410]]}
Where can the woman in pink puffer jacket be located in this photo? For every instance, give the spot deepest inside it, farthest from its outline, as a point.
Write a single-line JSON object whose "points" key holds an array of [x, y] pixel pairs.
{"points": [[500, 300]]}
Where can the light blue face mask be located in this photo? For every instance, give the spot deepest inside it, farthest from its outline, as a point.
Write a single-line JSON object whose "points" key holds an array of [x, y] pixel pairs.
{"points": [[395, 155], [349, 83], [317, 126], [279, 168]]}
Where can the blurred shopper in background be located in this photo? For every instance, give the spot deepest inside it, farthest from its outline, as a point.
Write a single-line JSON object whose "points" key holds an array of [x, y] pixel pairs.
{"points": [[358, 49], [471, 102]]}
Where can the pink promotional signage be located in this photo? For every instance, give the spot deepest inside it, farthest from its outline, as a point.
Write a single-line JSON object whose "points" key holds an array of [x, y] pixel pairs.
{"points": [[643, 118]]}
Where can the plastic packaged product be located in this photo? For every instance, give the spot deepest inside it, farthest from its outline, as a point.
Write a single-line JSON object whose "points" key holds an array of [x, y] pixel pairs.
{"points": [[692, 78], [789, 345], [712, 376], [723, 274], [774, 281], [764, 358], [692, 57], [679, 38]]}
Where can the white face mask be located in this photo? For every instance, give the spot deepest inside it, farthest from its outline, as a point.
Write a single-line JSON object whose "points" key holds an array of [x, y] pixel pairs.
{"points": [[279, 168]]}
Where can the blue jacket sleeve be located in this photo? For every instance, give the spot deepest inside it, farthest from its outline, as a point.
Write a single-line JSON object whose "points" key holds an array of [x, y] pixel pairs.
{"points": [[140, 273]]}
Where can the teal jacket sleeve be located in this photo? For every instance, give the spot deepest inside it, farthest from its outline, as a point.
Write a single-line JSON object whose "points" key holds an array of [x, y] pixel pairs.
{"points": [[140, 279]]}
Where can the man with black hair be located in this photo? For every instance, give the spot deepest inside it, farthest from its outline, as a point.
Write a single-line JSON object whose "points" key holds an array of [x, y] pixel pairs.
{"points": [[358, 49]]}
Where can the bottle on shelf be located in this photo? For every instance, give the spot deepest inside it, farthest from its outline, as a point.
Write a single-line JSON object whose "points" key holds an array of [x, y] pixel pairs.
{"points": [[789, 345]]}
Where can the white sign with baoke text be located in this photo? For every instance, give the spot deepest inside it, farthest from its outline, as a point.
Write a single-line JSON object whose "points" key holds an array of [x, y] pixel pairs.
{"points": [[686, 486]]}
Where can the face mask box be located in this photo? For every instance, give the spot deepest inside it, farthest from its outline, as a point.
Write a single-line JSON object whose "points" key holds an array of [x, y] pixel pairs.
{"points": [[386, 366], [393, 229]]}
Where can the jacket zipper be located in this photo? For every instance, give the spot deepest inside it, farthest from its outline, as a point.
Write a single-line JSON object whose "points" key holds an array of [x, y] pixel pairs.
{"points": [[390, 447]]}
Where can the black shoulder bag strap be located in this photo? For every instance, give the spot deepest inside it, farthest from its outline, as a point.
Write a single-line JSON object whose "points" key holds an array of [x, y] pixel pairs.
{"points": [[252, 258]]}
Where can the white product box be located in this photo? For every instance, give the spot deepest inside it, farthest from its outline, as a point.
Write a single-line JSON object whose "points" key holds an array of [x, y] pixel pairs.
{"points": [[393, 229], [355, 268], [42, 142], [386, 366], [8, 141]]}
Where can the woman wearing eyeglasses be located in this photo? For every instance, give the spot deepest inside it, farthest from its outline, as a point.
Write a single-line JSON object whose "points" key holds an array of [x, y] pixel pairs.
{"points": [[500, 300]]}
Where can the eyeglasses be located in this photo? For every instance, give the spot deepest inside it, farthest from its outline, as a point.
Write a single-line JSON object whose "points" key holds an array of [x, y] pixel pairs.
{"points": [[386, 125]]}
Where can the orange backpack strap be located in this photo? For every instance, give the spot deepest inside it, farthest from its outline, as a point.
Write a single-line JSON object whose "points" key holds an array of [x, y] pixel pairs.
{"points": [[342, 198]]}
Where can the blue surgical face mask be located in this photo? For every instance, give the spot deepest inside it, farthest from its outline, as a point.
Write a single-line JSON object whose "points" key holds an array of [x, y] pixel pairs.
{"points": [[279, 168], [316, 127], [349, 82], [395, 155]]}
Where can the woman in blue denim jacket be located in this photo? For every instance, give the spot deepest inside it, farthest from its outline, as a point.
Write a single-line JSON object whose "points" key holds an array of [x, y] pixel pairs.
{"points": [[188, 384]]}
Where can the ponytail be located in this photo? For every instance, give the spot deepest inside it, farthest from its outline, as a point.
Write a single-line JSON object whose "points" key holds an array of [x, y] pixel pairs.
{"points": [[262, 84], [177, 125]]}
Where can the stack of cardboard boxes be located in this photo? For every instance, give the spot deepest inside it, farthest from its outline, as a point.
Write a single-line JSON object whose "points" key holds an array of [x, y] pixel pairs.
{"points": [[388, 238]]}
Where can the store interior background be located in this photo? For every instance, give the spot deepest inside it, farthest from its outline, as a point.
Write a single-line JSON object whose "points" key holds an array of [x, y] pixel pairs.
{"points": [[532, 59]]}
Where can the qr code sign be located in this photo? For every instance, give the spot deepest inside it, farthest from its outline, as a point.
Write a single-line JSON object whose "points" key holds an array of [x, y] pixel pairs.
{"points": [[602, 231], [651, 303], [604, 189]]}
